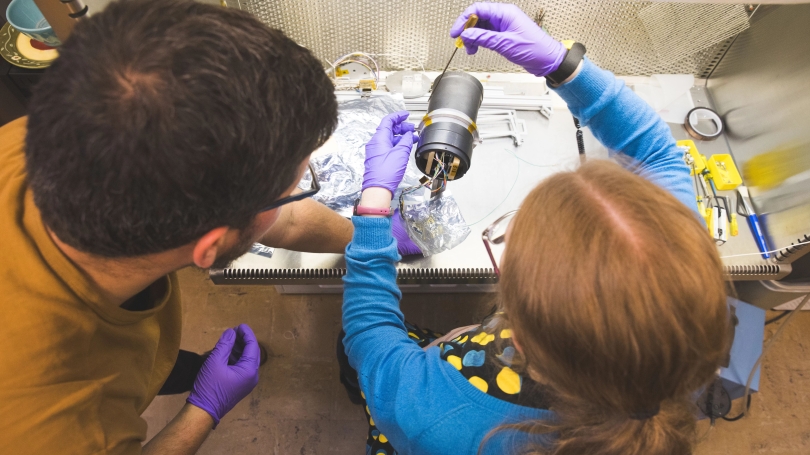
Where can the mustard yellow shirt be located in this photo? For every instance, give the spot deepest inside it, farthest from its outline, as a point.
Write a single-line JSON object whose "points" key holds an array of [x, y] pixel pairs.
{"points": [[76, 372]]}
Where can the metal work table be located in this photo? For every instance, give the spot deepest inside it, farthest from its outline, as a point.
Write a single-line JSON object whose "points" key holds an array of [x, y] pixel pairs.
{"points": [[499, 179]]}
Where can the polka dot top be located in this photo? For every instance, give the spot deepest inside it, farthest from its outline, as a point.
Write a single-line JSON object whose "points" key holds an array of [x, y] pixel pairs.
{"points": [[484, 356]]}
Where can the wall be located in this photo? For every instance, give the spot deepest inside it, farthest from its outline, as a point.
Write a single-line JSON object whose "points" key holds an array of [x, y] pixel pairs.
{"points": [[761, 88]]}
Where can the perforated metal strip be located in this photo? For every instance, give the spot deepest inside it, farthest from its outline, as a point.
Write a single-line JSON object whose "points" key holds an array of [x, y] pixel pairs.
{"points": [[431, 275], [763, 271], [335, 275], [628, 38]]}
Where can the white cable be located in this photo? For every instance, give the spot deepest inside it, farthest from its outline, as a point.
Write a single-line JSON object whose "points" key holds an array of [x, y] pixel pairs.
{"points": [[376, 70], [772, 251], [334, 70], [517, 176]]}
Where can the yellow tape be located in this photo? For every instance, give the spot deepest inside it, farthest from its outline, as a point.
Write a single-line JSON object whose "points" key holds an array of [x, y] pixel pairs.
{"points": [[453, 169]]}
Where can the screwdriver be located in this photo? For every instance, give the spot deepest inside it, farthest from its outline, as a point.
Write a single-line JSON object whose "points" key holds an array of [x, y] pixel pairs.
{"points": [[471, 21]]}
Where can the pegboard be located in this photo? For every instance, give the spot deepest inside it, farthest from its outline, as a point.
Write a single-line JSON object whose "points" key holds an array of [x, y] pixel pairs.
{"points": [[628, 38]]}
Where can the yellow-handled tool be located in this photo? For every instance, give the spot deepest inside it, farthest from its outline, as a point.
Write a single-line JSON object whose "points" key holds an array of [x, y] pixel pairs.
{"points": [[715, 173], [471, 21]]}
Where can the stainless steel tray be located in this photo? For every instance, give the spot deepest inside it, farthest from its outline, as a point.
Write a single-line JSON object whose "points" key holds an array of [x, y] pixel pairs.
{"points": [[499, 179]]}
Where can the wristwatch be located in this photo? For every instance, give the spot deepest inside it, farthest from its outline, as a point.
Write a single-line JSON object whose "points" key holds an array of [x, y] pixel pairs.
{"points": [[575, 54], [360, 210]]}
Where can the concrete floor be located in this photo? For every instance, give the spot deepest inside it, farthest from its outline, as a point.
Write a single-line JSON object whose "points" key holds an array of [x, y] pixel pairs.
{"points": [[299, 407]]}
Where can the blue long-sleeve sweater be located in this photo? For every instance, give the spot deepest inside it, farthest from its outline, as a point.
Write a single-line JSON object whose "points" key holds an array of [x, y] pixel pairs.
{"points": [[421, 403]]}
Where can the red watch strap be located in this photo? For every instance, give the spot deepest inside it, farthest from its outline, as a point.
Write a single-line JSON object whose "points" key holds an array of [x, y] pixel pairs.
{"points": [[360, 210]]}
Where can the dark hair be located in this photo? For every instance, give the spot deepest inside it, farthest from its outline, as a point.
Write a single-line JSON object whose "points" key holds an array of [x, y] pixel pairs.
{"points": [[164, 119]]}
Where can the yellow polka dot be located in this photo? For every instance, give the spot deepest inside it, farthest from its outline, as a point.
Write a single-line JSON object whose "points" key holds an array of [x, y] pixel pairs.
{"points": [[383, 439], [480, 383], [455, 361], [371, 421], [506, 333], [508, 381], [362, 395], [464, 339], [483, 338], [369, 412], [413, 335]]}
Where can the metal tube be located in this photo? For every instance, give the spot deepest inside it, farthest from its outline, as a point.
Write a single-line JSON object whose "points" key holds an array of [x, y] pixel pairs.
{"points": [[449, 129]]}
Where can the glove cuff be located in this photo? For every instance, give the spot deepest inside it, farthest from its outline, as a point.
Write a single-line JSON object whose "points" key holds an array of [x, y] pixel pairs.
{"points": [[194, 400]]}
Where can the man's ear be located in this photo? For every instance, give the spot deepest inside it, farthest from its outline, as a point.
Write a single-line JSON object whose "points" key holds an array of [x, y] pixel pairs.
{"points": [[205, 250]]}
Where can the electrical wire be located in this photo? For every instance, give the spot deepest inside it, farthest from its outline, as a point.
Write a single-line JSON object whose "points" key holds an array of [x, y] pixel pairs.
{"points": [[765, 350], [772, 251], [428, 183], [346, 59], [739, 416], [334, 69], [777, 318], [359, 54], [517, 176], [530, 163], [580, 141], [366, 66]]}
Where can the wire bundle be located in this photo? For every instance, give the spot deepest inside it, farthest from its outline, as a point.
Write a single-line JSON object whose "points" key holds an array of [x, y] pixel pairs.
{"points": [[360, 58], [426, 183]]}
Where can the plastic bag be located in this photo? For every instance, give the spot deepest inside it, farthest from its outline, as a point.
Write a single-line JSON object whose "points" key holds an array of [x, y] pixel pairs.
{"points": [[435, 225]]}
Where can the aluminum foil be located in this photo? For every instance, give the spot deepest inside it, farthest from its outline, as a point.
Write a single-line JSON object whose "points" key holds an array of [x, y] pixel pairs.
{"points": [[262, 250], [341, 174], [435, 225]]}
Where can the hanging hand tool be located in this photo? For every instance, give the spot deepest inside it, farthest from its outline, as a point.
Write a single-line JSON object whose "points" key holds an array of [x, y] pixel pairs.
{"points": [[745, 209], [715, 173], [471, 21]]}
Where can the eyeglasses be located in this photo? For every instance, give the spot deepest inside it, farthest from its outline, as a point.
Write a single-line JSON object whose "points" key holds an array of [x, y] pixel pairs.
{"points": [[494, 238], [314, 187]]}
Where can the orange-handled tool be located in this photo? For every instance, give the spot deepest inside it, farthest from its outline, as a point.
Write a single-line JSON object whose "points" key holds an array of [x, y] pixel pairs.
{"points": [[471, 21]]}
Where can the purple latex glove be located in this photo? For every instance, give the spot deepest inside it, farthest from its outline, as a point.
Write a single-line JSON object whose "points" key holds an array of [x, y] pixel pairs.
{"points": [[508, 31], [388, 151], [219, 386], [405, 245]]}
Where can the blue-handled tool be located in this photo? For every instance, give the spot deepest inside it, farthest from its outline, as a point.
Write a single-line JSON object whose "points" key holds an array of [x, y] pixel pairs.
{"points": [[745, 209]]}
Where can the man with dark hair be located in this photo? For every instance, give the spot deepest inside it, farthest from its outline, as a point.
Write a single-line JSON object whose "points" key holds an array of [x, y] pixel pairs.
{"points": [[167, 133]]}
